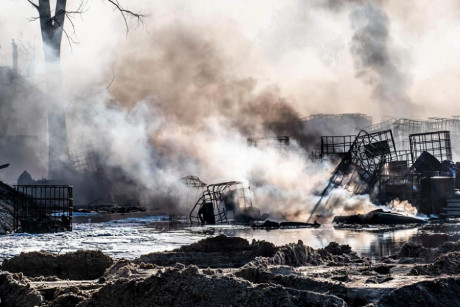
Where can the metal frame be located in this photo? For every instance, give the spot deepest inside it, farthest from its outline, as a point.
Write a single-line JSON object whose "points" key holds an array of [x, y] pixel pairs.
{"points": [[280, 142], [86, 162], [385, 125], [314, 154], [336, 145], [411, 180], [436, 143], [403, 155], [337, 116], [371, 150], [216, 193], [360, 169], [192, 182], [43, 208]]}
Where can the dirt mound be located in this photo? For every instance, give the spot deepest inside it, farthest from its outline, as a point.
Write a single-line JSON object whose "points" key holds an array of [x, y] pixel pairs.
{"points": [[414, 250], [263, 248], [416, 253], [330, 284], [293, 254], [78, 265], [121, 269], [220, 243], [202, 260], [448, 247], [15, 291], [445, 264], [437, 292], [186, 286], [335, 248], [296, 254], [214, 252], [67, 297]]}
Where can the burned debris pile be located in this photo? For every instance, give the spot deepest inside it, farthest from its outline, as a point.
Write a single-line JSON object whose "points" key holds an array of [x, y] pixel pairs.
{"points": [[403, 160], [224, 202], [378, 217]]}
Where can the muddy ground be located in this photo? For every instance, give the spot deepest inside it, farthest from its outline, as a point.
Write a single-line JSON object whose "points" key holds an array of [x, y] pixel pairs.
{"points": [[230, 271]]}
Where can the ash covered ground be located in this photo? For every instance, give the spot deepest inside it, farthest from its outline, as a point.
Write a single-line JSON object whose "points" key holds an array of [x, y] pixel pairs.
{"points": [[229, 271]]}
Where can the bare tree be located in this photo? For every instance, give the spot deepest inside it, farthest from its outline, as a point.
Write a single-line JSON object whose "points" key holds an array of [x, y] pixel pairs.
{"points": [[52, 30]]}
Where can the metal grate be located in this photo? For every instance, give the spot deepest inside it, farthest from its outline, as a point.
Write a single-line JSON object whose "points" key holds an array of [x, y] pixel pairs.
{"points": [[279, 142], [436, 143], [336, 145], [43, 208], [86, 162], [218, 200], [360, 169]]}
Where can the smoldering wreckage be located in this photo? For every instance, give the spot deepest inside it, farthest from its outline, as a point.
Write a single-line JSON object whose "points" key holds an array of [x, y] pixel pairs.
{"points": [[399, 163]]}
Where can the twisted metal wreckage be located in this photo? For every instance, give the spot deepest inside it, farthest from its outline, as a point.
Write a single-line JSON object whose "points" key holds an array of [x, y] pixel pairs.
{"points": [[424, 174], [224, 202]]}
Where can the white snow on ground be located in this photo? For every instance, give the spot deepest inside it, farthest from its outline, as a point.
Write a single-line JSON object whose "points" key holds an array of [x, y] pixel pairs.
{"points": [[128, 238], [132, 237]]}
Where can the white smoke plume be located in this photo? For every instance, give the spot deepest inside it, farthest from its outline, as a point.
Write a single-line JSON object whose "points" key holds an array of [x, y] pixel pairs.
{"points": [[202, 76]]}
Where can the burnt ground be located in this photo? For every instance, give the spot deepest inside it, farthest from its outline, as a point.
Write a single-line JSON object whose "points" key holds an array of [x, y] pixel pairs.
{"points": [[226, 271]]}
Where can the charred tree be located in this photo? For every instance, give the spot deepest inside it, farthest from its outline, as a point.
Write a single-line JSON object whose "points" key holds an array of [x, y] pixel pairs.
{"points": [[52, 30]]}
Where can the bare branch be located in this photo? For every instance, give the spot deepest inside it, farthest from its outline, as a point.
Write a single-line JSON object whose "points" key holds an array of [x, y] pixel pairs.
{"points": [[111, 81], [124, 13], [59, 12], [70, 40], [33, 4], [33, 18]]}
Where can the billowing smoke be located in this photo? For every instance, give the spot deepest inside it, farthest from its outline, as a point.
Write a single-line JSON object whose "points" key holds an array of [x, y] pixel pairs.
{"points": [[189, 89], [177, 109], [375, 61], [190, 79]]}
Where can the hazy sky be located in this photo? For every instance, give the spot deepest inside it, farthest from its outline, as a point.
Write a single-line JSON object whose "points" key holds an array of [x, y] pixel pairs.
{"points": [[199, 77], [302, 47]]}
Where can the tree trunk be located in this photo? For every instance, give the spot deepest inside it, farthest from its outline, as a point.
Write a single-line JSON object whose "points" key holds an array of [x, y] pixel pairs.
{"points": [[52, 30]]}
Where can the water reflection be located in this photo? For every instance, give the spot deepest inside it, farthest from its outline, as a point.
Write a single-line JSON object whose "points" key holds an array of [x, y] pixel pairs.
{"points": [[372, 244]]}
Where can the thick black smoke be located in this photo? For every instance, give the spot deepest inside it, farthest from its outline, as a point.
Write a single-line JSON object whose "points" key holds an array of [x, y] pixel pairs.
{"points": [[375, 62]]}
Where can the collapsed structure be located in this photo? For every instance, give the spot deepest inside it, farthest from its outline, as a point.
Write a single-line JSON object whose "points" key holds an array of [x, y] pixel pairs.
{"points": [[223, 202], [397, 159]]}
